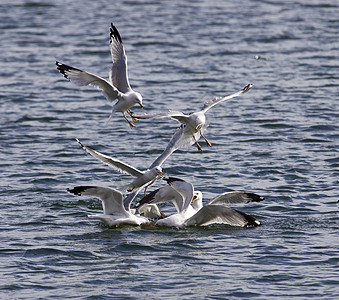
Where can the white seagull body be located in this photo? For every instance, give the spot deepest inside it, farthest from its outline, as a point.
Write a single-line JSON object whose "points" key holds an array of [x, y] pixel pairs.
{"points": [[142, 178], [192, 124], [118, 87], [114, 205], [191, 212]]}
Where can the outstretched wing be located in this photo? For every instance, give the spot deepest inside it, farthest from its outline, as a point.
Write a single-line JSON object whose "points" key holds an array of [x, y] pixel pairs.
{"points": [[112, 162], [215, 101], [173, 145], [82, 78], [236, 197], [178, 140], [177, 115], [118, 74], [111, 199], [219, 214]]}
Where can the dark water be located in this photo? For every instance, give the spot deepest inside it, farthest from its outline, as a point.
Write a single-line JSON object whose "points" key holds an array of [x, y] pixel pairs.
{"points": [[280, 140]]}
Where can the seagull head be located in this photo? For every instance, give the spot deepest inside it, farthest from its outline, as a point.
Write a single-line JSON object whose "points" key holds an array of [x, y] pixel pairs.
{"points": [[158, 170], [197, 200], [139, 99]]}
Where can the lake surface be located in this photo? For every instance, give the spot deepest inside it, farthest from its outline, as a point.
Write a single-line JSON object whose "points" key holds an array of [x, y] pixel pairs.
{"points": [[280, 140]]}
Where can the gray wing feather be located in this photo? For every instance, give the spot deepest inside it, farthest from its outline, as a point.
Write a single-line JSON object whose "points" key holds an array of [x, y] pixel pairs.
{"points": [[173, 145], [112, 162], [164, 194], [177, 115], [185, 189], [82, 78], [128, 200], [219, 214], [208, 105], [111, 199], [236, 197], [118, 74]]}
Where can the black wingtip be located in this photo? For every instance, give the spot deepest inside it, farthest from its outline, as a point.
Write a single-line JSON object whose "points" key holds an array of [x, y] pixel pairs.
{"points": [[255, 197], [65, 68], [147, 199], [247, 88], [62, 68], [78, 190], [170, 180], [114, 34], [81, 144], [251, 222]]}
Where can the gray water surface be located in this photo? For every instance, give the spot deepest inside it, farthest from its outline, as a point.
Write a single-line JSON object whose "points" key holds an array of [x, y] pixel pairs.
{"points": [[279, 140]]}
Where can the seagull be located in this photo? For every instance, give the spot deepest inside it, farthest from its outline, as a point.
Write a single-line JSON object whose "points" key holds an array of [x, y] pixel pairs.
{"points": [[143, 178], [192, 124], [117, 87], [190, 210], [151, 211], [114, 205]]}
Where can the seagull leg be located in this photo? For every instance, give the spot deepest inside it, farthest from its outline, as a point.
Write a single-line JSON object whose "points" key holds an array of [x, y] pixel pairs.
{"points": [[132, 116], [129, 122], [199, 147], [207, 142]]}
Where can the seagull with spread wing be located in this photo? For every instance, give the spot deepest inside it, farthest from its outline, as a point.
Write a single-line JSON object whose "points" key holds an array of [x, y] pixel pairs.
{"points": [[192, 124], [116, 208], [118, 87], [142, 178]]}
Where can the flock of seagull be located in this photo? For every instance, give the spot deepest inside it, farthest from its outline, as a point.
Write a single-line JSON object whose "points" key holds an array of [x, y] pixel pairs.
{"points": [[117, 204]]}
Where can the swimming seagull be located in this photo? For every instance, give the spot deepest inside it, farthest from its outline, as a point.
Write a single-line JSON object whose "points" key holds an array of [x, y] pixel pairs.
{"points": [[143, 178], [114, 205], [117, 87], [190, 210], [192, 124]]}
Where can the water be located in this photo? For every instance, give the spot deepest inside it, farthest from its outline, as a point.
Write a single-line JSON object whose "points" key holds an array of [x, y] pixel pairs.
{"points": [[280, 140]]}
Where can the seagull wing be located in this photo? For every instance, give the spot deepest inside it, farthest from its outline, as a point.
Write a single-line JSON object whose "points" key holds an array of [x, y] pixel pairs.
{"points": [[118, 74], [215, 101], [128, 200], [112, 162], [173, 145], [236, 197], [82, 78], [185, 189], [164, 194], [219, 214], [177, 115], [112, 200]]}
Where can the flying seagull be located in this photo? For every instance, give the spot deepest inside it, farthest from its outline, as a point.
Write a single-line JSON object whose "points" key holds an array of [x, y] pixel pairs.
{"points": [[142, 178], [117, 87], [192, 124]]}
